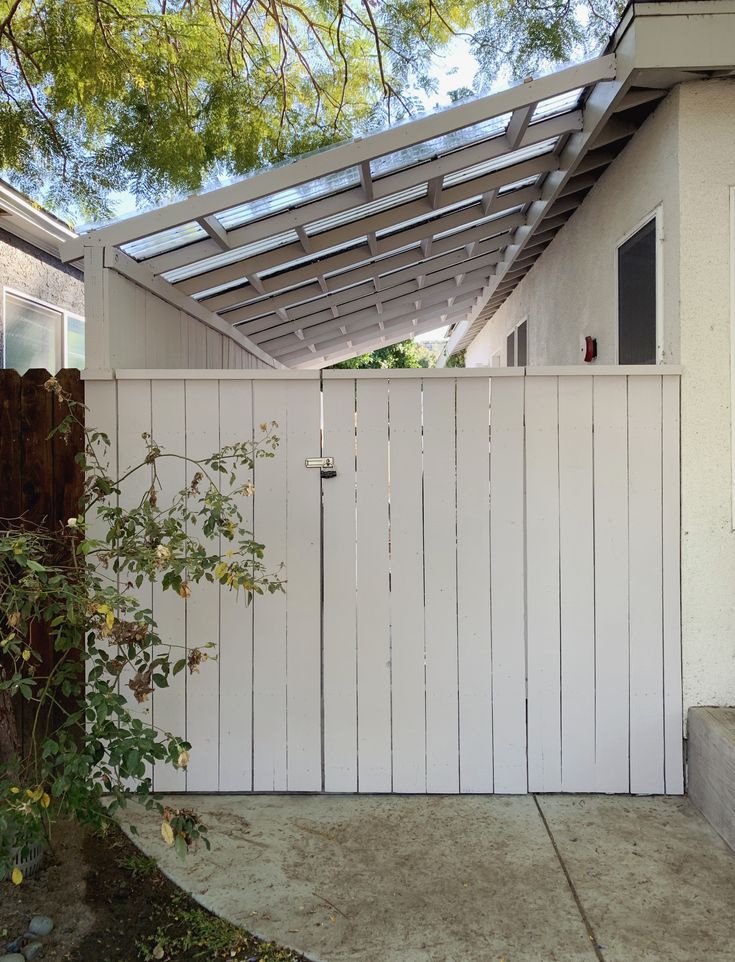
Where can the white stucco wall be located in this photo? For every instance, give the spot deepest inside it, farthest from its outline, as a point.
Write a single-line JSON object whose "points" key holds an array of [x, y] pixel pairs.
{"points": [[707, 171], [682, 159], [570, 292]]}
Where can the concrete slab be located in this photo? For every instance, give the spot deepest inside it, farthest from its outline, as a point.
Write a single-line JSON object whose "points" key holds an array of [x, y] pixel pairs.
{"points": [[464, 879], [654, 879], [384, 879]]}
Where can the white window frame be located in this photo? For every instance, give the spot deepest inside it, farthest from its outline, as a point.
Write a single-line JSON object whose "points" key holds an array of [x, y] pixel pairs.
{"points": [[66, 315], [71, 316], [514, 331], [658, 214]]}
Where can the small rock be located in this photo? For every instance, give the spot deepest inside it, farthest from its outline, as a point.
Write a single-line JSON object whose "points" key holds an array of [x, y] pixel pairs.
{"points": [[12, 957], [31, 950], [17, 944], [41, 925]]}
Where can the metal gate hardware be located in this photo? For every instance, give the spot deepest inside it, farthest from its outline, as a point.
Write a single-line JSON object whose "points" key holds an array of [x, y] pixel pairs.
{"points": [[319, 462]]}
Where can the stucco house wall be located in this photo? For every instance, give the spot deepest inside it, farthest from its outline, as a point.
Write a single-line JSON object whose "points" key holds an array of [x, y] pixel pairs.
{"points": [[28, 270], [570, 291], [683, 162]]}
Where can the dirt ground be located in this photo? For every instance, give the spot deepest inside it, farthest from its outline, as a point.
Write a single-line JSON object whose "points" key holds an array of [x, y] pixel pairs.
{"points": [[110, 903]]}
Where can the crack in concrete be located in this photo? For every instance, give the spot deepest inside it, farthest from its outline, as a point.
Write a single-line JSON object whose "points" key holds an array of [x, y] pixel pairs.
{"points": [[578, 902]]}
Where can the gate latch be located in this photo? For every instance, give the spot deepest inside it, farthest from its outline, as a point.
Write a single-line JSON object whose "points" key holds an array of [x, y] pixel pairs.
{"points": [[325, 465]]}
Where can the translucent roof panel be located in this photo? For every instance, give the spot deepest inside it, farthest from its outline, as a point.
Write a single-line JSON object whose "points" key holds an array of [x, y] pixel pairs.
{"points": [[439, 145], [556, 105], [230, 257], [488, 221], [499, 163], [366, 210], [293, 196], [429, 215], [518, 184], [312, 258], [166, 240]]}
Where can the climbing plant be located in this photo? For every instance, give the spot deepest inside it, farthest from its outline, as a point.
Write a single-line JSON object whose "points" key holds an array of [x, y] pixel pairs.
{"points": [[90, 744]]}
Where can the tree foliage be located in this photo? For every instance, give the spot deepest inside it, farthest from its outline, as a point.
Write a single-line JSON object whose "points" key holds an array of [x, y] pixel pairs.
{"points": [[162, 96], [405, 354], [525, 36]]}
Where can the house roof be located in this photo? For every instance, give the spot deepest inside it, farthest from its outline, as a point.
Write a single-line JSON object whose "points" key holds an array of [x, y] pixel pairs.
{"points": [[431, 222], [23, 217]]}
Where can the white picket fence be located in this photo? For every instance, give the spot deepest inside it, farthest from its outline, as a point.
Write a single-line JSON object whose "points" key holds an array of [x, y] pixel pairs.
{"points": [[484, 599]]}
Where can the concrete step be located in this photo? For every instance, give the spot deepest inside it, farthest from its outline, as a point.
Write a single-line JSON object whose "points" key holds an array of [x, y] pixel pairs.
{"points": [[711, 767]]}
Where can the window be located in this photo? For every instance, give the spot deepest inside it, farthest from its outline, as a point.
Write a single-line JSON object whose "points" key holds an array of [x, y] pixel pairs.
{"points": [[637, 297], [517, 346], [40, 335]]}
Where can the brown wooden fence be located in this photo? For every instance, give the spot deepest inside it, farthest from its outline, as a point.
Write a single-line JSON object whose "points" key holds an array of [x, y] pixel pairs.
{"points": [[40, 480]]}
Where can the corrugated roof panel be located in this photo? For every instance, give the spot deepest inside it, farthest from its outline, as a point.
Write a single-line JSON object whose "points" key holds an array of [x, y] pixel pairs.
{"points": [[429, 215], [230, 257], [556, 105], [366, 210], [437, 146], [291, 197], [166, 240], [501, 162]]}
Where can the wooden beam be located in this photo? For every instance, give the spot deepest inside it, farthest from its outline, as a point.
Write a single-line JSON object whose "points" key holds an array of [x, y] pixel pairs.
{"points": [[387, 185], [355, 152]]}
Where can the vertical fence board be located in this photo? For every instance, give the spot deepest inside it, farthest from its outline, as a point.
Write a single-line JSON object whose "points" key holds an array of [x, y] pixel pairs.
{"points": [[134, 418], [440, 567], [508, 585], [236, 617], [646, 649], [542, 591], [11, 499], [68, 485], [671, 517], [202, 608], [168, 429], [407, 588], [373, 614], [269, 625], [340, 592], [611, 583], [576, 551], [303, 603], [473, 586]]}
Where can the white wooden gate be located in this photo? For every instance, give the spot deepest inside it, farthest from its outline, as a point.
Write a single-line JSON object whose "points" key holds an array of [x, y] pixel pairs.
{"points": [[484, 599]]}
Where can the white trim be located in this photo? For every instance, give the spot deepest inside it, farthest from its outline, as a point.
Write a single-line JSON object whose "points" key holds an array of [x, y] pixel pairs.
{"points": [[656, 214], [32, 224], [732, 356], [204, 374]]}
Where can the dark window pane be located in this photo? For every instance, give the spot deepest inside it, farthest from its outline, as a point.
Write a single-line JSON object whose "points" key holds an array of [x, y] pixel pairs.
{"points": [[511, 346], [521, 345], [637, 297]]}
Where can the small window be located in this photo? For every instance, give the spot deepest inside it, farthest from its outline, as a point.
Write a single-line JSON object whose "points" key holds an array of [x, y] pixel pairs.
{"points": [[517, 346], [637, 297], [521, 352], [38, 335], [31, 335]]}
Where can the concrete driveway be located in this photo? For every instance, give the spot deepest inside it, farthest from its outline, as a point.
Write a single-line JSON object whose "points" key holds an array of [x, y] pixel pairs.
{"points": [[464, 879]]}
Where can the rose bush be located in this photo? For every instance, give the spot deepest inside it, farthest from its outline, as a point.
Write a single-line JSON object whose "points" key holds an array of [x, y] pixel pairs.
{"points": [[89, 745]]}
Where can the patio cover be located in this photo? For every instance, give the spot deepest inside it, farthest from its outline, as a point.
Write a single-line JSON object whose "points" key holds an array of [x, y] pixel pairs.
{"points": [[429, 223]]}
